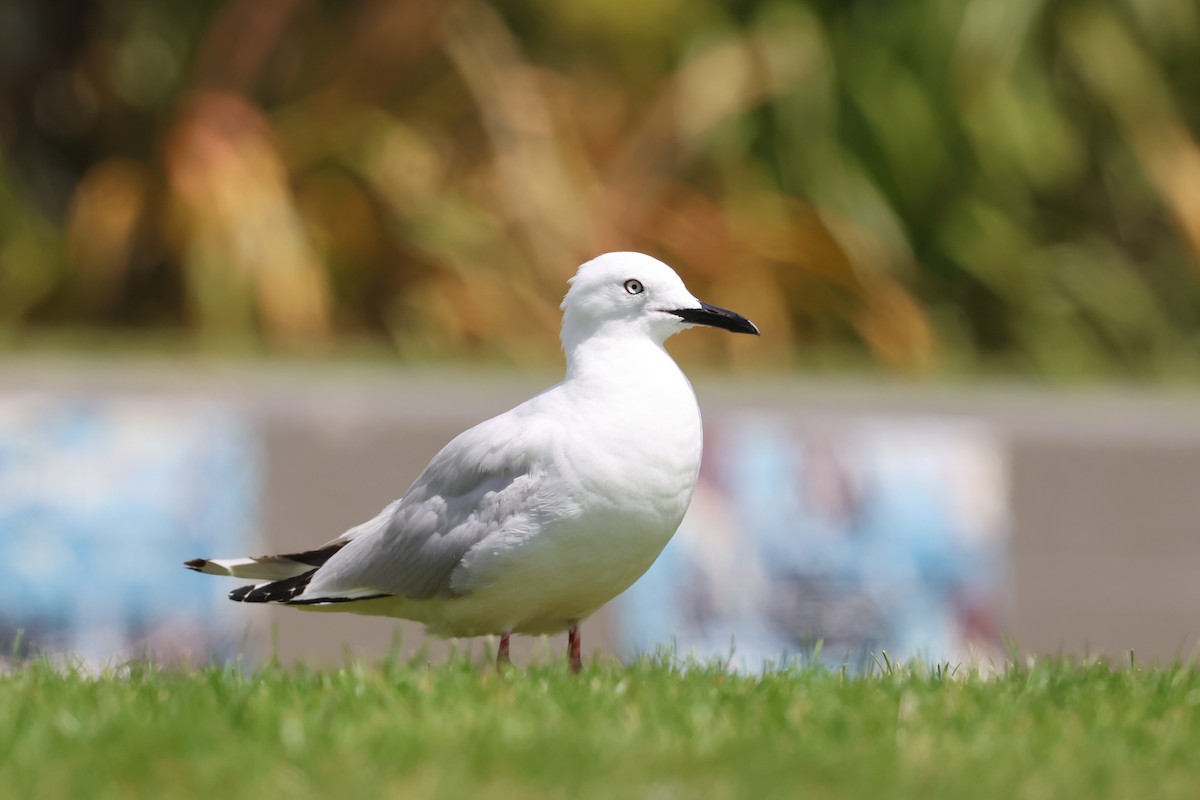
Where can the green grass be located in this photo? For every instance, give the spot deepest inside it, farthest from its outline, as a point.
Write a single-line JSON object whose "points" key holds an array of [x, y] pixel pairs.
{"points": [[1050, 730]]}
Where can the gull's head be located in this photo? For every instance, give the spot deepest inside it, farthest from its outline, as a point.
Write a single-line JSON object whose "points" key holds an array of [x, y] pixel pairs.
{"points": [[631, 294]]}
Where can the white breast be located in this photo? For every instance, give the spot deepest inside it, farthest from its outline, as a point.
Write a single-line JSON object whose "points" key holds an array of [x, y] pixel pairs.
{"points": [[629, 463]]}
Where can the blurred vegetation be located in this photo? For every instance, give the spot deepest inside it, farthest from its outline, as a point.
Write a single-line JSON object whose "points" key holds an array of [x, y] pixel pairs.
{"points": [[934, 184]]}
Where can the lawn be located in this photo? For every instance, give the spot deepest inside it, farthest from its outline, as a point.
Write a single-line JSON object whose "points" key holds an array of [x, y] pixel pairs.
{"points": [[1045, 730]]}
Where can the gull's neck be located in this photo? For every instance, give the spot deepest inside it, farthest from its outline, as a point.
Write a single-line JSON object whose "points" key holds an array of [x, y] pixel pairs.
{"points": [[620, 358], [632, 402]]}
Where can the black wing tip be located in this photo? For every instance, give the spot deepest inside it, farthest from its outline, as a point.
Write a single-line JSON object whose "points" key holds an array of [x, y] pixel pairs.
{"points": [[197, 564], [281, 591], [329, 601], [285, 595], [315, 558], [286, 592]]}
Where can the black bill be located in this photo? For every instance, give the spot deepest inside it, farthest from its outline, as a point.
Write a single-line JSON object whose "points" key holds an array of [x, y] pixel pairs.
{"points": [[715, 317]]}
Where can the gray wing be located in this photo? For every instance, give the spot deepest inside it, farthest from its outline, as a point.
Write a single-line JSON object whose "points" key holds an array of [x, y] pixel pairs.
{"points": [[482, 484]]}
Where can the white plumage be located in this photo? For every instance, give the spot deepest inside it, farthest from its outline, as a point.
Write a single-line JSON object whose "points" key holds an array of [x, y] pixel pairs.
{"points": [[532, 520]]}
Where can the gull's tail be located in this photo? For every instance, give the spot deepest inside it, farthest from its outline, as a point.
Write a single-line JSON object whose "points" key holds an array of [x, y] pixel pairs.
{"points": [[271, 568], [287, 576]]}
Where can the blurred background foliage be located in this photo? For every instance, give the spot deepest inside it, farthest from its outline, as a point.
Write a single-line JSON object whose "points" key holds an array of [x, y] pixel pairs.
{"points": [[995, 185]]}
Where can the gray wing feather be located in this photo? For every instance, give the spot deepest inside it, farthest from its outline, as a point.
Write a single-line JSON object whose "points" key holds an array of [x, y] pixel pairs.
{"points": [[478, 486]]}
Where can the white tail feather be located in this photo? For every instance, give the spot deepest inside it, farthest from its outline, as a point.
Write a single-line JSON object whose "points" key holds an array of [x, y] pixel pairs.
{"points": [[269, 568]]}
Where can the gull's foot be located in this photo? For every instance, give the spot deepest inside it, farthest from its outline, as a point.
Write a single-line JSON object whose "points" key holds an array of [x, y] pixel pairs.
{"points": [[573, 649], [503, 662]]}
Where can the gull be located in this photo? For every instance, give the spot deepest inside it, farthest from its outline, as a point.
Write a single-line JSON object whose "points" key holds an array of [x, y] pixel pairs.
{"points": [[531, 521]]}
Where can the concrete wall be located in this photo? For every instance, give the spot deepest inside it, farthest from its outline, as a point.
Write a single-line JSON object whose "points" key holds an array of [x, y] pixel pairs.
{"points": [[1105, 484]]}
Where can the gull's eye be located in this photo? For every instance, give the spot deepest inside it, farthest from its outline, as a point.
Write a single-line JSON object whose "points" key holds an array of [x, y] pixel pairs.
{"points": [[634, 286]]}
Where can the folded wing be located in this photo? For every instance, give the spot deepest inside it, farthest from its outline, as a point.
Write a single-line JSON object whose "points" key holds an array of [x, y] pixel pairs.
{"points": [[485, 483]]}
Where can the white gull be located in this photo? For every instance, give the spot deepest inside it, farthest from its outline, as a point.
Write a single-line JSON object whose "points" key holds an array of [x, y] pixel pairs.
{"points": [[531, 521]]}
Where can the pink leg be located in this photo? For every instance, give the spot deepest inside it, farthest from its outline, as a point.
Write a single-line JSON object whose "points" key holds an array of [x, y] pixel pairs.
{"points": [[573, 647], [502, 659]]}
